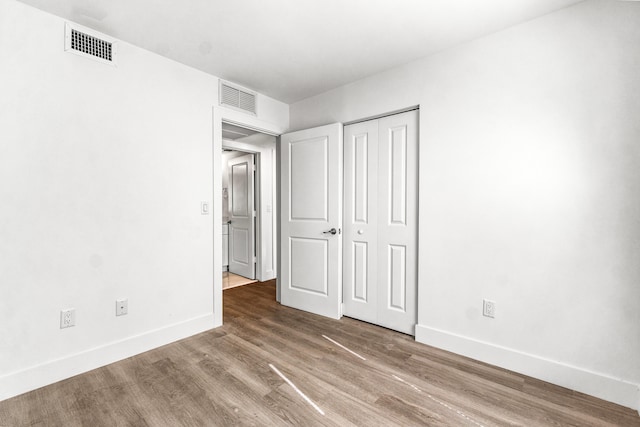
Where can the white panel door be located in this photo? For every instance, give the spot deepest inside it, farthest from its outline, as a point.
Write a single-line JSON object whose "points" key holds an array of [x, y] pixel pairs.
{"points": [[361, 221], [398, 222], [311, 220], [241, 216], [381, 223]]}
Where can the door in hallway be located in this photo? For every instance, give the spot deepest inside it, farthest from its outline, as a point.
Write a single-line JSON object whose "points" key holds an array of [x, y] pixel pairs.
{"points": [[242, 259]]}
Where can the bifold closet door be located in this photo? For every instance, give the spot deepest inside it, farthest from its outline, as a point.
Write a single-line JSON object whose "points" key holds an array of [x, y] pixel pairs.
{"points": [[360, 272], [381, 221]]}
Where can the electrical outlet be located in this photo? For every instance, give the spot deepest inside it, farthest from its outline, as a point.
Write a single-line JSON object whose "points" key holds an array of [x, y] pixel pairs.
{"points": [[122, 307], [67, 318], [488, 308]]}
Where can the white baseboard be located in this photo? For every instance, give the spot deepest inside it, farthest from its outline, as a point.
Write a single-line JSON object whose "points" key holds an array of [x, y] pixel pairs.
{"points": [[34, 377], [592, 383]]}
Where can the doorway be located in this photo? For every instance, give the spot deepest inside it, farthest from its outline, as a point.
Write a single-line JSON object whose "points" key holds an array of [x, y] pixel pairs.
{"points": [[247, 204], [238, 218]]}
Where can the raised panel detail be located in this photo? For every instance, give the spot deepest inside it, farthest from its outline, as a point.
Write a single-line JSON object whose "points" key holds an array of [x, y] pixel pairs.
{"points": [[360, 266], [308, 260], [360, 180], [239, 196], [398, 175], [308, 180], [397, 277], [241, 245]]}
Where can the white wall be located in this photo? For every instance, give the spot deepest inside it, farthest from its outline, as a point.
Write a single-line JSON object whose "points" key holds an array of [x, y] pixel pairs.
{"points": [[529, 193], [102, 171]]}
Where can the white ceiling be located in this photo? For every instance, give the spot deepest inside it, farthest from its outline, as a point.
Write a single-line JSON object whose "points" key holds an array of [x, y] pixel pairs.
{"points": [[293, 49]]}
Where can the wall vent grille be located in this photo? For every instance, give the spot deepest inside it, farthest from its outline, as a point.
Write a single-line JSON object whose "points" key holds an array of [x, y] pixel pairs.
{"points": [[88, 43], [91, 45], [240, 99]]}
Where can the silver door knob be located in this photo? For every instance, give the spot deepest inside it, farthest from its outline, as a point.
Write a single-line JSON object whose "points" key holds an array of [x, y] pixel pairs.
{"points": [[360, 231], [332, 231]]}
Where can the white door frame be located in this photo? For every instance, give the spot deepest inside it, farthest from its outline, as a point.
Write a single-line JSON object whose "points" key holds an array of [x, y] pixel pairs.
{"points": [[229, 116]]}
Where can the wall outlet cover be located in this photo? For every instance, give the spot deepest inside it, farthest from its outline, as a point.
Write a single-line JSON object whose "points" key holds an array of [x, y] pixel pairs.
{"points": [[67, 318], [488, 308], [122, 307]]}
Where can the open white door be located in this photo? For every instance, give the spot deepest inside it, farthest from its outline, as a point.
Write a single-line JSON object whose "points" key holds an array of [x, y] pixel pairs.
{"points": [[241, 216], [311, 220]]}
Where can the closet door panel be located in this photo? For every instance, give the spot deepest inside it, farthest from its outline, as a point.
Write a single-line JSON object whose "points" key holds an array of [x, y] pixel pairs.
{"points": [[398, 222], [360, 293]]}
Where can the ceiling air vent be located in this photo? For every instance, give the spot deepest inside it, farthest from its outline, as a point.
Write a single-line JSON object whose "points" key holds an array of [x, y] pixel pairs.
{"points": [[85, 42], [239, 99]]}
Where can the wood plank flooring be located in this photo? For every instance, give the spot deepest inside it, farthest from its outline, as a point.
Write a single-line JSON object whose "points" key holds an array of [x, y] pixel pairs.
{"points": [[230, 280], [223, 377]]}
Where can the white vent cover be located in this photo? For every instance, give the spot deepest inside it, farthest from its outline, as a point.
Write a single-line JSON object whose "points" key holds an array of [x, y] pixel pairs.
{"points": [[237, 98], [90, 44]]}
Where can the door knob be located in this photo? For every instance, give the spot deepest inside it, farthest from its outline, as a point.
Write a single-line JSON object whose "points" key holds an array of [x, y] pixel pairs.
{"points": [[360, 231], [332, 231]]}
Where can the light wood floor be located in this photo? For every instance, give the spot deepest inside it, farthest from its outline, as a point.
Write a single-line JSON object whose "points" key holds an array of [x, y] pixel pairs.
{"points": [[224, 377], [230, 280]]}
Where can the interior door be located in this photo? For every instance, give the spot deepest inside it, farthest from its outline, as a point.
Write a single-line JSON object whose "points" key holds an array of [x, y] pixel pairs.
{"points": [[311, 220], [241, 216], [381, 221]]}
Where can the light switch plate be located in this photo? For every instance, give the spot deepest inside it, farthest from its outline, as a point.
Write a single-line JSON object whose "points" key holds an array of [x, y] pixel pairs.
{"points": [[204, 208]]}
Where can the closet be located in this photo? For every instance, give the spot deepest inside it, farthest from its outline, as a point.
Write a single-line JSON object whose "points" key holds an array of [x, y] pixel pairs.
{"points": [[381, 221]]}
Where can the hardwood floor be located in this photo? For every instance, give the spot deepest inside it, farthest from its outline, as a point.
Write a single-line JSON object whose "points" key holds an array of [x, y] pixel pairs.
{"points": [[230, 280], [228, 376]]}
